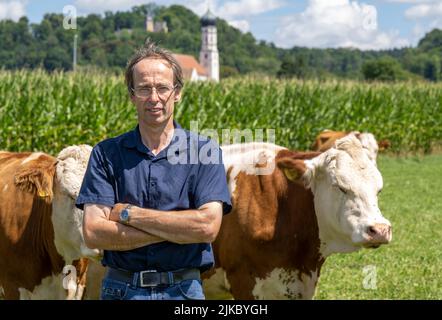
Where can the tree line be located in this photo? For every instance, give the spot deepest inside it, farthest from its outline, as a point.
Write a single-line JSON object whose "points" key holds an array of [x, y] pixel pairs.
{"points": [[107, 41]]}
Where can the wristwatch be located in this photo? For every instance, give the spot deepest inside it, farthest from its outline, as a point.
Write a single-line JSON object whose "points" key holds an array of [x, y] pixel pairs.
{"points": [[125, 215]]}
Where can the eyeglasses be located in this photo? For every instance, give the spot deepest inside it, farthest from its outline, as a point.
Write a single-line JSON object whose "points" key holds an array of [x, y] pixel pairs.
{"points": [[162, 91]]}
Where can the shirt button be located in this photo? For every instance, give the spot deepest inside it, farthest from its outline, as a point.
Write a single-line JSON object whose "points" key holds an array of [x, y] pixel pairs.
{"points": [[152, 184], [151, 253]]}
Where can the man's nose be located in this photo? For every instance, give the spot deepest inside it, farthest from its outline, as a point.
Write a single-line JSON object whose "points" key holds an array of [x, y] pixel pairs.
{"points": [[154, 95]]}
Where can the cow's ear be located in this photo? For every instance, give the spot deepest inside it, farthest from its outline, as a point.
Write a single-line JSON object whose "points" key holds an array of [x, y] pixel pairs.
{"points": [[37, 176], [293, 169]]}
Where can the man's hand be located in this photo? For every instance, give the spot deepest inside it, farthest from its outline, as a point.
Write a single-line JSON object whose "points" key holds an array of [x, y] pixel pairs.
{"points": [[116, 210]]}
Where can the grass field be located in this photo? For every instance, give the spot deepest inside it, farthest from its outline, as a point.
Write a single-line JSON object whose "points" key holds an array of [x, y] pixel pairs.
{"points": [[411, 266]]}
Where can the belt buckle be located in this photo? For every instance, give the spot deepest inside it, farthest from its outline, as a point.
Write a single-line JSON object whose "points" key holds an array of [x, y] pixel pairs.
{"points": [[149, 272]]}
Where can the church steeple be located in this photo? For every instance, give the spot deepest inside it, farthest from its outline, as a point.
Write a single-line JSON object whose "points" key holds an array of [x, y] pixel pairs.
{"points": [[149, 22], [209, 57]]}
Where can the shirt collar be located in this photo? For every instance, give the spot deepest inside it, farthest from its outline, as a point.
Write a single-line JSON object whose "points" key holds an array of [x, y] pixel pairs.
{"points": [[133, 139]]}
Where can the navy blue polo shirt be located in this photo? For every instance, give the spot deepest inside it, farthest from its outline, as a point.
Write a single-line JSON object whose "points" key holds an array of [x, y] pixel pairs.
{"points": [[185, 175]]}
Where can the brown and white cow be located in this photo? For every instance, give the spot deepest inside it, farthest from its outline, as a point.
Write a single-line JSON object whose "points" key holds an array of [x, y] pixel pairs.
{"points": [[291, 210], [40, 228]]}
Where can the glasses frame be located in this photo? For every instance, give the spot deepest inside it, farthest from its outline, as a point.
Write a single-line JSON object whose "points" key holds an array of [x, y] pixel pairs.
{"points": [[156, 92]]}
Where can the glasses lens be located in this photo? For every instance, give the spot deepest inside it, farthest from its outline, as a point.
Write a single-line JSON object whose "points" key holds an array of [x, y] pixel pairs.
{"points": [[161, 91]]}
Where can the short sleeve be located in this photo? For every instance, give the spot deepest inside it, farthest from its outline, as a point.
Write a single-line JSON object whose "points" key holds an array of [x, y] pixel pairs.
{"points": [[211, 184], [97, 186]]}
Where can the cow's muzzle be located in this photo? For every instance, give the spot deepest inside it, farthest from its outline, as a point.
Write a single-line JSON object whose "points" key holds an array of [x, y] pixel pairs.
{"points": [[378, 234]]}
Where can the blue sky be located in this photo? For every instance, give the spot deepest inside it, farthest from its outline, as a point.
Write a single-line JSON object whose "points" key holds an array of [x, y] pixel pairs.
{"points": [[364, 24]]}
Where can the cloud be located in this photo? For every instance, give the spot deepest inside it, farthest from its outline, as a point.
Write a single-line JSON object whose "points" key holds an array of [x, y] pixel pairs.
{"points": [[336, 23], [427, 15], [13, 10], [424, 11], [99, 6], [413, 1], [234, 12], [242, 25], [199, 7], [248, 7]]}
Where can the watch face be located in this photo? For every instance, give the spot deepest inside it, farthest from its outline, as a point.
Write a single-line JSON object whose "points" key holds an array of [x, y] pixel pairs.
{"points": [[124, 215]]}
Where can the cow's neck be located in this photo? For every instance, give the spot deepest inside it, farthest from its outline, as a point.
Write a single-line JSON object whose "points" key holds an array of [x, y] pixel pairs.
{"points": [[329, 247], [299, 222], [42, 237], [301, 216]]}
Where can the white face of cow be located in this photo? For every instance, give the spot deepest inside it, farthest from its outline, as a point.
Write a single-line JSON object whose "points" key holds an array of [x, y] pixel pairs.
{"points": [[345, 183], [67, 219]]}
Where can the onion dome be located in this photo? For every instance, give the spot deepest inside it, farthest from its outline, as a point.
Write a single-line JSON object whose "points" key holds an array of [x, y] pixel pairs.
{"points": [[208, 19]]}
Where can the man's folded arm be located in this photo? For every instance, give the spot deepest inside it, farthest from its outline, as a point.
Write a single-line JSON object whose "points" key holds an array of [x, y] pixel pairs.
{"points": [[101, 233]]}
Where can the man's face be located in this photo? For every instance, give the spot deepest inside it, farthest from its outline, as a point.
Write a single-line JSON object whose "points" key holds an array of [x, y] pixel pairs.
{"points": [[154, 106]]}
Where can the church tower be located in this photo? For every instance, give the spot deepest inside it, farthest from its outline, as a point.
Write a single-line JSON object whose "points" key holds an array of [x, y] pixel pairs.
{"points": [[148, 23], [209, 57]]}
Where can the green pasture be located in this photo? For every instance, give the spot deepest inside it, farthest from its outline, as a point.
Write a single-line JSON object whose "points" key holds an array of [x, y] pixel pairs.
{"points": [[411, 266]]}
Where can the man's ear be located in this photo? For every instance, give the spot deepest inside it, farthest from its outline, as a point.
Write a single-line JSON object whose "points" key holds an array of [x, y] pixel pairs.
{"points": [[293, 169], [178, 95]]}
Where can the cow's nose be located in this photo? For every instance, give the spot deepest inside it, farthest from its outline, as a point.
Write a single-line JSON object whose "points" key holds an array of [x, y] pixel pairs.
{"points": [[379, 233]]}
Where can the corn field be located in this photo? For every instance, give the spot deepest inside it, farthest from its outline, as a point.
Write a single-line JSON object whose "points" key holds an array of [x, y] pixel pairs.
{"points": [[47, 112]]}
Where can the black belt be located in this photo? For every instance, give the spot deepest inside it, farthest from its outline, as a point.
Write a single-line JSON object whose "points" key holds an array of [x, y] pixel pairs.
{"points": [[152, 278]]}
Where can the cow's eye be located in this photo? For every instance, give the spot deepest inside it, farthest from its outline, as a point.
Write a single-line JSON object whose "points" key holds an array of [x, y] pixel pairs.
{"points": [[342, 190]]}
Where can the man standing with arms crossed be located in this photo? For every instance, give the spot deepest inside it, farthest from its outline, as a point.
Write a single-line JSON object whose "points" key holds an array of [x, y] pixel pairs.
{"points": [[153, 218]]}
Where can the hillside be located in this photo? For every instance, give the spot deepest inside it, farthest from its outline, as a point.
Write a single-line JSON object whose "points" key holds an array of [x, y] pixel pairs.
{"points": [[107, 41]]}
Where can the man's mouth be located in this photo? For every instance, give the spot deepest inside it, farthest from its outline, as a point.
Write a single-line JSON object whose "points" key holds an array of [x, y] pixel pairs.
{"points": [[154, 110]]}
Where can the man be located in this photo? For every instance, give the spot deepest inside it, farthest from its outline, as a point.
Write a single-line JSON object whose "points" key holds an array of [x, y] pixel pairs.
{"points": [[153, 216]]}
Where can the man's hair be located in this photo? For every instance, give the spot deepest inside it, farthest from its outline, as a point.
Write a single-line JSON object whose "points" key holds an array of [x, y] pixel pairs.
{"points": [[151, 51]]}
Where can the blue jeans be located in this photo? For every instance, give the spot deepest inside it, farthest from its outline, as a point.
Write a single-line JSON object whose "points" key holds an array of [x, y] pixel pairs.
{"points": [[185, 290]]}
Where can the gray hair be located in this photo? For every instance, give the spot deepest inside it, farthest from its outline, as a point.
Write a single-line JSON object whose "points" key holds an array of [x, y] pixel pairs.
{"points": [[151, 51]]}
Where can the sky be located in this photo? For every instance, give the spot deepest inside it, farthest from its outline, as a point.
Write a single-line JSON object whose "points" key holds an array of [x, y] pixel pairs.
{"points": [[363, 24]]}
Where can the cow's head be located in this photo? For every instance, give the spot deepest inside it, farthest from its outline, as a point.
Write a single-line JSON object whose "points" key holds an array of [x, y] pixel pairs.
{"points": [[345, 183], [67, 219]]}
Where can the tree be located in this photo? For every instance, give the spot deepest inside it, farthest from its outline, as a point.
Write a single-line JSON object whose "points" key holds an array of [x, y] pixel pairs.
{"points": [[293, 67], [384, 69], [226, 72], [57, 58], [432, 41], [432, 69]]}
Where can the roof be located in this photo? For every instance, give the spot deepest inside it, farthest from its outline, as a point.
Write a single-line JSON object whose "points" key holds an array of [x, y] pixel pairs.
{"points": [[188, 63], [208, 19]]}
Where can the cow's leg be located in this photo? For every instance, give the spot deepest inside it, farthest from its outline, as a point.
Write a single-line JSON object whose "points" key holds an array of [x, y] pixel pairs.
{"points": [[10, 292], [82, 266], [216, 286], [241, 282]]}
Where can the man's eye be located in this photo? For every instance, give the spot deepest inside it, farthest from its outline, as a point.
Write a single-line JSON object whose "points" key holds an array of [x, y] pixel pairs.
{"points": [[163, 89]]}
